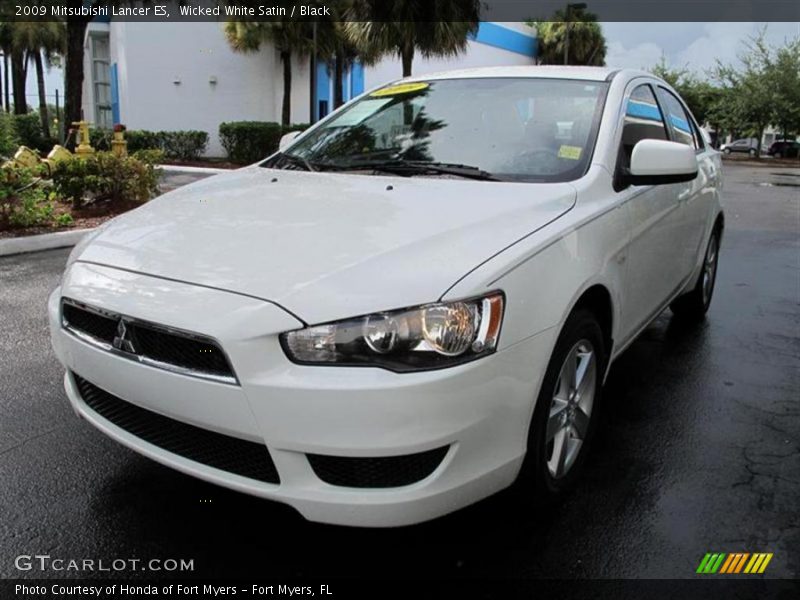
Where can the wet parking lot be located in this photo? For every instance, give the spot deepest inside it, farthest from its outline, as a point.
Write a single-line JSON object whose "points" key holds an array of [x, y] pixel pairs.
{"points": [[699, 450]]}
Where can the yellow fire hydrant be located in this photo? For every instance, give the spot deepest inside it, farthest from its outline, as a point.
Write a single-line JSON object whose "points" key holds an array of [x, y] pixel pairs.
{"points": [[118, 144], [83, 143]]}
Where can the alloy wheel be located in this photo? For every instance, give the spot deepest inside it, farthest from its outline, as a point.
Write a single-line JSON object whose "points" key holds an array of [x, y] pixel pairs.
{"points": [[709, 269], [571, 408]]}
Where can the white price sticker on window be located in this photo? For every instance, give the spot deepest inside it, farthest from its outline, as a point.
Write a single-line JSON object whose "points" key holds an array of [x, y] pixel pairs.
{"points": [[358, 113]]}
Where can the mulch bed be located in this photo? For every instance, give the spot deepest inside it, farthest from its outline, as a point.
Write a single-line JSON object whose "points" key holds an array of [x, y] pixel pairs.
{"points": [[84, 218]]}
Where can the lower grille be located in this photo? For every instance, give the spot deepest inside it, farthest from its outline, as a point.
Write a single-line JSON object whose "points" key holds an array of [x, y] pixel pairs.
{"points": [[223, 452], [376, 472]]}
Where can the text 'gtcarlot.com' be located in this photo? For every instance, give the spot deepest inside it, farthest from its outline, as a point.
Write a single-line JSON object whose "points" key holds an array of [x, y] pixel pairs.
{"points": [[45, 562]]}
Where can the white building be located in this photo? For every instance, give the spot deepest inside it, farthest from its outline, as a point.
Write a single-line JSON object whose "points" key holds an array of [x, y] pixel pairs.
{"points": [[175, 76]]}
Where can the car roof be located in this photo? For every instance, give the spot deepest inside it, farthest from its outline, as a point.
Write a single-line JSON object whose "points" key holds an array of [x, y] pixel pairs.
{"points": [[539, 71]]}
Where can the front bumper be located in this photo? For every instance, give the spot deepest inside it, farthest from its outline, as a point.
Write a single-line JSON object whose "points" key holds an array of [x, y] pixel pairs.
{"points": [[480, 411]]}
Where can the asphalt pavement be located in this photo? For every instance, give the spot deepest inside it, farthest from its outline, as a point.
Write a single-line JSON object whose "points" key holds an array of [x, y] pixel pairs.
{"points": [[699, 451]]}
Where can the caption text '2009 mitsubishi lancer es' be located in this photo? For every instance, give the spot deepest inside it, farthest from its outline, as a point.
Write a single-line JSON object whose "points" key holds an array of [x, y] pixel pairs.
{"points": [[411, 305]]}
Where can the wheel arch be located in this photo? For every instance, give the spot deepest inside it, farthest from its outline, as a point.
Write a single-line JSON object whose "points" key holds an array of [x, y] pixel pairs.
{"points": [[598, 300], [719, 224]]}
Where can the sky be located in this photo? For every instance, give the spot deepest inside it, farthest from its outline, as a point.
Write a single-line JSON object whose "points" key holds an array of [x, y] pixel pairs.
{"points": [[695, 46]]}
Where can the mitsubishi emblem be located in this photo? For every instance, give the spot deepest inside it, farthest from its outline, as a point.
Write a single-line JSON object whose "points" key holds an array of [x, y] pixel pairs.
{"points": [[122, 340]]}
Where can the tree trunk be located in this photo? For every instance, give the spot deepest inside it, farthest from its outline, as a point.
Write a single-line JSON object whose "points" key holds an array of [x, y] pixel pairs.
{"points": [[7, 78], [407, 55], [338, 88], [18, 67], [758, 141], [286, 114], [37, 61], [73, 72]]}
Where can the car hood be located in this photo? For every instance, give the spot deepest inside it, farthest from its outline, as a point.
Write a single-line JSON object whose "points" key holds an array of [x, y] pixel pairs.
{"points": [[326, 245]]}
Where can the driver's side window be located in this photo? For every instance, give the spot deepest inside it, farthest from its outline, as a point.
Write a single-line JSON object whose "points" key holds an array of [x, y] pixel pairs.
{"points": [[643, 121]]}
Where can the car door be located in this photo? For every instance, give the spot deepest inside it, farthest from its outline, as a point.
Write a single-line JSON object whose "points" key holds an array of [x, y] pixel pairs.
{"points": [[696, 196], [655, 262]]}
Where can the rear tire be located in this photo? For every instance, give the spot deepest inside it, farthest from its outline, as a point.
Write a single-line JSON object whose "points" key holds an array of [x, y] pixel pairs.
{"points": [[694, 305], [566, 410], [752, 152]]}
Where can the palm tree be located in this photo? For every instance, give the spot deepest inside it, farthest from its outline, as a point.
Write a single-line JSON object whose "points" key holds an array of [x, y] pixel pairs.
{"points": [[290, 38], [5, 47], [343, 54], [40, 42], [587, 45], [405, 27], [16, 56], [335, 46]]}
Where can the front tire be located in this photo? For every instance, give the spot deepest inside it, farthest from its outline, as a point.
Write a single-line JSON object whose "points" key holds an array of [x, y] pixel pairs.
{"points": [[752, 152], [566, 410], [726, 151], [694, 305]]}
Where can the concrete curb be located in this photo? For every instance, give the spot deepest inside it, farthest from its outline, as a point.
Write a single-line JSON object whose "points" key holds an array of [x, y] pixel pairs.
{"points": [[193, 170], [45, 241]]}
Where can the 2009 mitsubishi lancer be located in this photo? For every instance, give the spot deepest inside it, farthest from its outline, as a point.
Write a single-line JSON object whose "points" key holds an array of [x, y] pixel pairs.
{"points": [[410, 306]]}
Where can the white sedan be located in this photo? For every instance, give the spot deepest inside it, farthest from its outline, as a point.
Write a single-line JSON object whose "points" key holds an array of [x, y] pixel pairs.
{"points": [[409, 307]]}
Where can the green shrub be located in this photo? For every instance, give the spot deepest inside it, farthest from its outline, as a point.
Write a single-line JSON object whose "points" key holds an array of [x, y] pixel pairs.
{"points": [[249, 141], [34, 207], [180, 145], [149, 157], [28, 129], [183, 145], [64, 219], [103, 176], [24, 201], [100, 139], [139, 139], [8, 136]]}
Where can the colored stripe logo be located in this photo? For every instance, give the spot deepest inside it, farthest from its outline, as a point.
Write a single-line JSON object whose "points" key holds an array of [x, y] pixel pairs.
{"points": [[734, 563]]}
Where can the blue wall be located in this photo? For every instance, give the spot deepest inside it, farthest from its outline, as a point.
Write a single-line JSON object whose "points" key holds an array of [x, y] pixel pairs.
{"points": [[501, 37], [115, 116]]}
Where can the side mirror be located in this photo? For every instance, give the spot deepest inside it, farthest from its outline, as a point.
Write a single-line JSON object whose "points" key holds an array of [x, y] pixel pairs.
{"points": [[656, 162], [287, 139]]}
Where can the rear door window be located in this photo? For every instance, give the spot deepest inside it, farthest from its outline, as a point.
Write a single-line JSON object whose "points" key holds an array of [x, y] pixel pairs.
{"points": [[679, 120], [643, 121]]}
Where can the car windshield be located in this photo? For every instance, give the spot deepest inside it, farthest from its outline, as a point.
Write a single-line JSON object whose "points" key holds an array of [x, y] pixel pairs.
{"points": [[511, 129]]}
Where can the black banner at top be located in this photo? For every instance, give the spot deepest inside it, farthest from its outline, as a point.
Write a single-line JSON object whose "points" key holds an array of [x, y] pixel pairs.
{"points": [[490, 10]]}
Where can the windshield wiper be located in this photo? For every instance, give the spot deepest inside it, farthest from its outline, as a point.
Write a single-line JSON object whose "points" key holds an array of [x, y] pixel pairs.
{"points": [[293, 159], [420, 167]]}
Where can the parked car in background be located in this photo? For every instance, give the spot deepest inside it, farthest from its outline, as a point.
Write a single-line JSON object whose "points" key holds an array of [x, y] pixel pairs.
{"points": [[784, 149], [410, 306], [746, 146]]}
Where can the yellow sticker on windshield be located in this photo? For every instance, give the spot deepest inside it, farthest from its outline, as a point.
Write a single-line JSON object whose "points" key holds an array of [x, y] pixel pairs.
{"points": [[400, 88], [570, 152]]}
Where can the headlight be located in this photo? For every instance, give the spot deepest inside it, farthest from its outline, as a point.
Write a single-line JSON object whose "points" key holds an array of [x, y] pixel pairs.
{"points": [[414, 339]]}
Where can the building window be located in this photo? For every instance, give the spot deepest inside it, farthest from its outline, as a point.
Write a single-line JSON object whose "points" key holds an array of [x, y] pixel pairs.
{"points": [[101, 79]]}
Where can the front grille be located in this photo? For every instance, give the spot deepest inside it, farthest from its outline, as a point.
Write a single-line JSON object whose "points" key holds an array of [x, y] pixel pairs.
{"points": [[376, 472], [222, 452], [100, 327], [156, 345], [168, 348]]}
